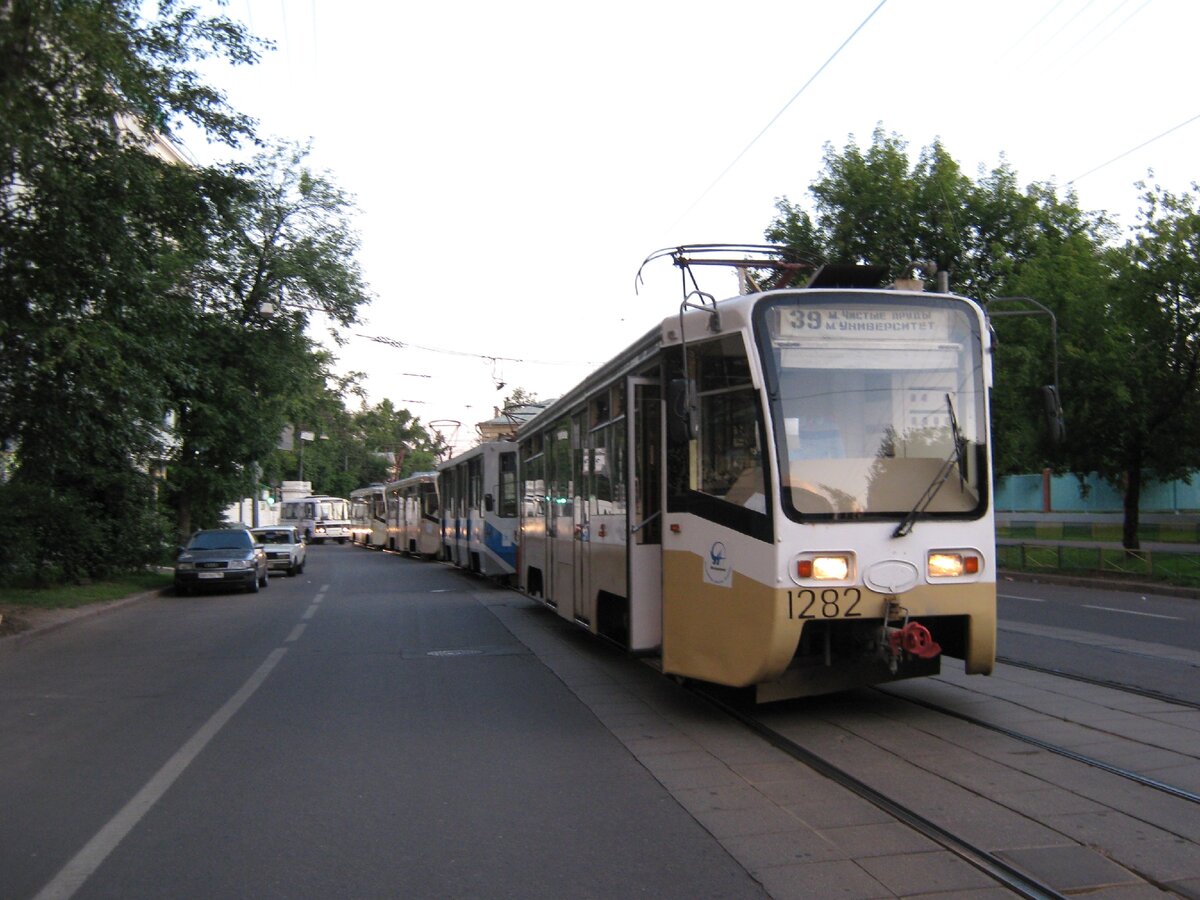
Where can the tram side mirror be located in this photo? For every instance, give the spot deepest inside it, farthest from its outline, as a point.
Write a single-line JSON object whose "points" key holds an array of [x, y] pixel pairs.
{"points": [[1056, 426], [683, 423], [488, 502]]}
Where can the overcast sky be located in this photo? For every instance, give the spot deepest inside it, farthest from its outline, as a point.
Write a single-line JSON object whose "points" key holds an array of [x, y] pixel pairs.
{"points": [[514, 162]]}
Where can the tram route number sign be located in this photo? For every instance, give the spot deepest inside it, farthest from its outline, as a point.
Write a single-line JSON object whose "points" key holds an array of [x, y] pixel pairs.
{"points": [[885, 323], [824, 603]]}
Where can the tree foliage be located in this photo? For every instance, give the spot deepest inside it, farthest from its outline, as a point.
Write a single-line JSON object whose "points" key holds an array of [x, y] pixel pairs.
{"points": [[1126, 314], [282, 255], [95, 228], [134, 339]]}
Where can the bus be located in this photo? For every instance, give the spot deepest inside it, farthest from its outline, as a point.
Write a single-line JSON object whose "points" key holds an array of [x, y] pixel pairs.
{"points": [[318, 518]]}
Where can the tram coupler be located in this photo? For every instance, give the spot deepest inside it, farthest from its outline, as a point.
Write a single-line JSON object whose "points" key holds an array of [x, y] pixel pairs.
{"points": [[912, 638]]}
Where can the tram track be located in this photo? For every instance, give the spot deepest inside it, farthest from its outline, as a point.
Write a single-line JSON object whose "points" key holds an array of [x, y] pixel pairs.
{"points": [[997, 869], [1065, 752], [1100, 682]]}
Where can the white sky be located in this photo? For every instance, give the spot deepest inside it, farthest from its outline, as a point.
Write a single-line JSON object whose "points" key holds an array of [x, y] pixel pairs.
{"points": [[514, 162]]}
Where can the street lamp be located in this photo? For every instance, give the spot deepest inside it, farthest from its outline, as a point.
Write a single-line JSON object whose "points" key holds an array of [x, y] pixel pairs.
{"points": [[303, 436]]}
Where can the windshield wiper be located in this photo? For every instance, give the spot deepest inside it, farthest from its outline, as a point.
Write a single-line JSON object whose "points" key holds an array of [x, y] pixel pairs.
{"points": [[957, 456]]}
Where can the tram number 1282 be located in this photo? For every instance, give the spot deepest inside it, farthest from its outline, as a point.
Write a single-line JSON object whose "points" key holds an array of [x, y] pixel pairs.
{"points": [[828, 603]]}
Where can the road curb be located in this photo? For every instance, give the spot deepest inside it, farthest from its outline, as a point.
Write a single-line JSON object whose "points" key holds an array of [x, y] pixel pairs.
{"points": [[14, 642]]}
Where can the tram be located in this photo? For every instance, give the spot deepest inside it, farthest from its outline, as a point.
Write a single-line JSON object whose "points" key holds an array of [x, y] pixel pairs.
{"points": [[480, 509], [369, 515], [319, 518], [786, 491], [413, 519]]}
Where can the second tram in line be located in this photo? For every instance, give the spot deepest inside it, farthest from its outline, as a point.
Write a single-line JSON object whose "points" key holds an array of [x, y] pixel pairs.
{"points": [[414, 515], [480, 509], [786, 491], [369, 515]]}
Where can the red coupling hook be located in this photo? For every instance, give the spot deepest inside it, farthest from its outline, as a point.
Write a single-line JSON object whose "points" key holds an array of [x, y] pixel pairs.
{"points": [[915, 638]]}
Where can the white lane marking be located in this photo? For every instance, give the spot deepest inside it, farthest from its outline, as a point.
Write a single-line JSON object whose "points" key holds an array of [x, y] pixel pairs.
{"points": [[1015, 597], [86, 861], [1130, 612], [310, 612], [296, 632]]}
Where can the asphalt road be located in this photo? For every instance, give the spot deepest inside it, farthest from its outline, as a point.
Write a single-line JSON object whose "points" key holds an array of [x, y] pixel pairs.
{"points": [[367, 729], [1151, 641]]}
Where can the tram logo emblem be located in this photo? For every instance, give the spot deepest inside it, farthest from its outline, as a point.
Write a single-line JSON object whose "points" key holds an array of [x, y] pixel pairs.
{"points": [[717, 569]]}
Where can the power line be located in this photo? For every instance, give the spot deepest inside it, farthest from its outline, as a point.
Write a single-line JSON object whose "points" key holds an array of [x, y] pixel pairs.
{"points": [[1135, 149], [405, 345], [766, 127]]}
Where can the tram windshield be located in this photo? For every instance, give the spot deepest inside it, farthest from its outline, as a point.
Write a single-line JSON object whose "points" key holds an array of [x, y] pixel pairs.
{"points": [[866, 391]]}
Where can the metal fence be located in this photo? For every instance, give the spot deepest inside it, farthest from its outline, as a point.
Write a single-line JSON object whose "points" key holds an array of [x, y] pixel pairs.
{"points": [[1182, 568]]}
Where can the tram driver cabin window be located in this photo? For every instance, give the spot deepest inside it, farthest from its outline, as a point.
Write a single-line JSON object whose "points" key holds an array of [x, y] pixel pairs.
{"points": [[727, 462]]}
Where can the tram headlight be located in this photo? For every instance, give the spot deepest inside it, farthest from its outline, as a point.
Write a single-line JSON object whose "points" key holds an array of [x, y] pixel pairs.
{"points": [[825, 567], [953, 563]]}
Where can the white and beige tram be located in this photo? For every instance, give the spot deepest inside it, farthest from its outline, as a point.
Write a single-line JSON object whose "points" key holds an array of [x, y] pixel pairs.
{"points": [[413, 510], [788, 491], [480, 509], [368, 515]]}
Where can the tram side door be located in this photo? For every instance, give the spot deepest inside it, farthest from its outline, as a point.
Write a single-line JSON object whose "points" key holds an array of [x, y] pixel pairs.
{"points": [[644, 541], [563, 533]]}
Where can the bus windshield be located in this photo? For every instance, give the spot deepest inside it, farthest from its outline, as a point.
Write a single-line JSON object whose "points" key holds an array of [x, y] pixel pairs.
{"points": [[877, 402]]}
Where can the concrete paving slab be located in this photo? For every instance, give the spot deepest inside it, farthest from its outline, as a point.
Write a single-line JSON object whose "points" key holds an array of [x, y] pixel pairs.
{"points": [[1108, 828], [659, 763], [1050, 801], [1133, 755], [848, 811], [881, 839], [1189, 888], [717, 775], [760, 853], [1186, 777], [806, 788], [835, 880], [1069, 868], [923, 874], [991, 779], [1002, 829], [766, 818], [738, 795]]}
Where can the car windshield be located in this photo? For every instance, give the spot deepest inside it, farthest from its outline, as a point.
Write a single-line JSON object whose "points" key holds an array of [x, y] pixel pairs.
{"points": [[221, 540], [274, 537]]}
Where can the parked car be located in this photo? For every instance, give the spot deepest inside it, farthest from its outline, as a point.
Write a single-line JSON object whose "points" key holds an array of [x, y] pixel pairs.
{"points": [[284, 545], [221, 558]]}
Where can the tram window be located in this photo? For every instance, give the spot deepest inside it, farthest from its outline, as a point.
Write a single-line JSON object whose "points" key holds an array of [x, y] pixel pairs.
{"points": [[602, 493], [730, 455], [618, 402], [508, 485], [533, 500], [429, 499], [600, 409]]}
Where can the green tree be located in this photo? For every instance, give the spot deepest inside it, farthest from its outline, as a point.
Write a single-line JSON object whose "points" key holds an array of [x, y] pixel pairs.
{"points": [[96, 224], [283, 255], [992, 239], [400, 435], [1138, 410]]}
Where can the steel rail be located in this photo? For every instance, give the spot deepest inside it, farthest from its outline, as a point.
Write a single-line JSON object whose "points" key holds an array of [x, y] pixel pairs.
{"points": [[1100, 682], [995, 868], [1129, 774]]}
